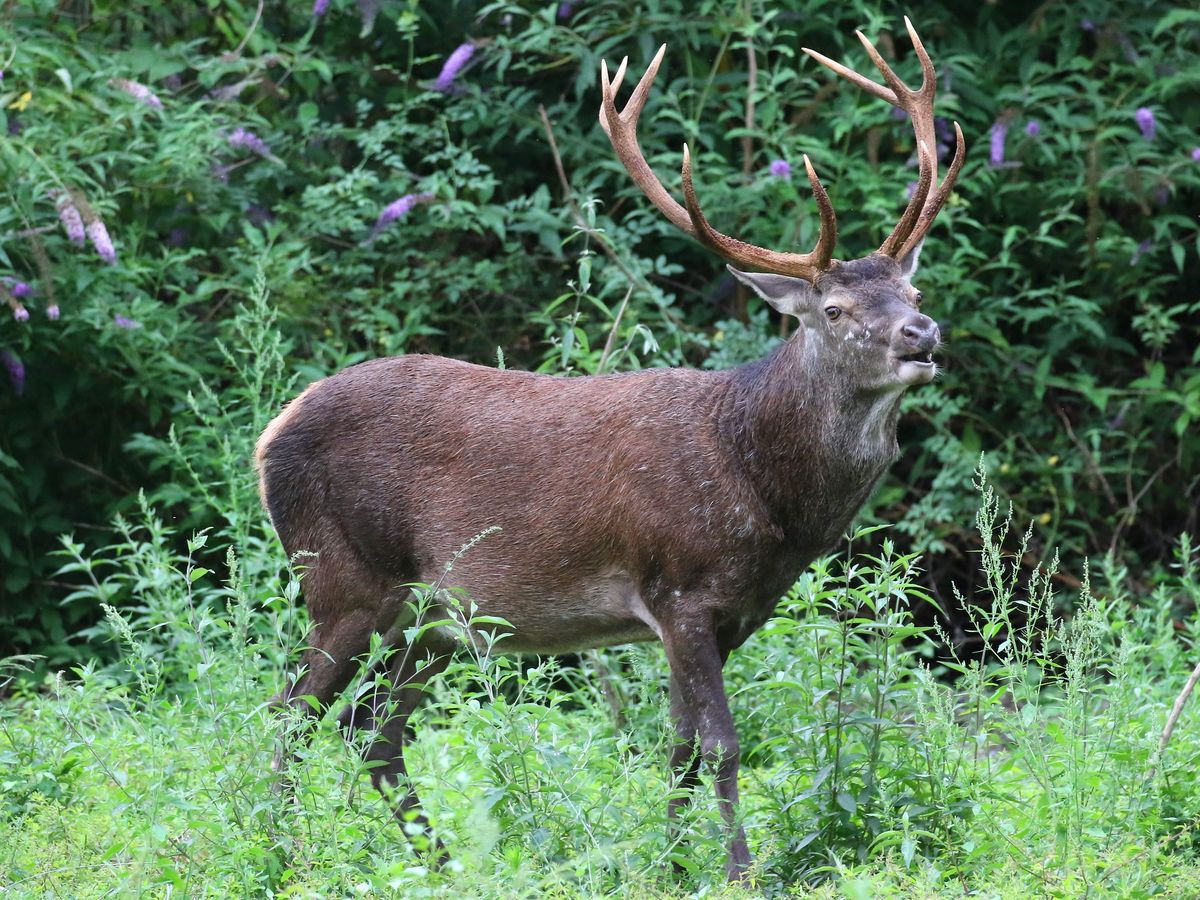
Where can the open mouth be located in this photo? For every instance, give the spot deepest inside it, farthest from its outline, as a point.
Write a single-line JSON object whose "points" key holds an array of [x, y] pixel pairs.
{"points": [[922, 358]]}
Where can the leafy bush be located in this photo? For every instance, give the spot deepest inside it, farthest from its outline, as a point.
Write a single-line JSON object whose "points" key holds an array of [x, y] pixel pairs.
{"points": [[395, 209], [873, 763]]}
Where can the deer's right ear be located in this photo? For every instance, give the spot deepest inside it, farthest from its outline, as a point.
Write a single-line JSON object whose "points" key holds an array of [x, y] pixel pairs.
{"points": [[790, 296]]}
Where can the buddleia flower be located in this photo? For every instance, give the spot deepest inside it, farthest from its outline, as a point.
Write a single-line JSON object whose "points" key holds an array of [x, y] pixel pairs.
{"points": [[245, 139], [68, 214], [453, 67], [397, 209], [781, 168], [53, 312], [1145, 121], [16, 371], [137, 91], [98, 235], [320, 7], [125, 322], [999, 134], [1033, 128]]}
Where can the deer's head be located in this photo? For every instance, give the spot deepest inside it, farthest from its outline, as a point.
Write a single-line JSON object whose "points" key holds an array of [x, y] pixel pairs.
{"points": [[861, 314]]}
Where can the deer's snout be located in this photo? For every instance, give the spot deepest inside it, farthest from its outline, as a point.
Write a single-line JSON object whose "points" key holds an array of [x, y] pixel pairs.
{"points": [[921, 333]]}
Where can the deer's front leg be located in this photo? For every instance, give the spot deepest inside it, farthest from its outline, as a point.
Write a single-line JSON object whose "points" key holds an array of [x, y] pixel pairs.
{"points": [[701, 712]]}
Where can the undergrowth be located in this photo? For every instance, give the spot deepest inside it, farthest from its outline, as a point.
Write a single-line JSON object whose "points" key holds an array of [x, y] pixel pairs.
{"points": [[1023, 762]]}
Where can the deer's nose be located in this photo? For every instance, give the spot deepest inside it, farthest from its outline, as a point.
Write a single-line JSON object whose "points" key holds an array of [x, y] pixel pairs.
{"points": [[922, 332]]}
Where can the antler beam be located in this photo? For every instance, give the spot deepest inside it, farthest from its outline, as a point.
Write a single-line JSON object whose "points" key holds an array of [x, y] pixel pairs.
{"points": [[929, 196], [621, 128], [927, 200]]}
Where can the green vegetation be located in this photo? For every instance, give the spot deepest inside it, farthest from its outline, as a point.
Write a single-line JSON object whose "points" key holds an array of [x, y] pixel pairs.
{"points": [[262, 201]]}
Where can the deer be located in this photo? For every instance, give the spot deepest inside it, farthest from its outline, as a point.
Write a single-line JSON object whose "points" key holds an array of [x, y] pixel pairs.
{"points": [[670, 504]]}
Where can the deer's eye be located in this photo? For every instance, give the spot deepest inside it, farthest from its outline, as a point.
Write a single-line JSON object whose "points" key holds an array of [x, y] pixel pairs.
{"points": [[833, 312], [918, 298]]}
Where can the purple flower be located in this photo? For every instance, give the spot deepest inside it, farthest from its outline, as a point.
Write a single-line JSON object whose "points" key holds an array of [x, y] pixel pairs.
{"points": [[21, 289], [1196, 154], [244, 139], [781, 168], [1145, 121], [52, 312], [911, 189], [98, 235], [453, 66], [16, 371], [999, 134], [1087, 25], [68, 214], [137, 91], [125, 322], [259, 215], [1141, 250], [397, 209], [1033, 128], [320, 7], [20, 313], [565, 10]]}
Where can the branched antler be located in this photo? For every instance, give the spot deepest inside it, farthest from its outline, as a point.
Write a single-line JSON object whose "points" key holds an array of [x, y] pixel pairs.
{"points": [[929, 196], [927, 199], [621, 128]]}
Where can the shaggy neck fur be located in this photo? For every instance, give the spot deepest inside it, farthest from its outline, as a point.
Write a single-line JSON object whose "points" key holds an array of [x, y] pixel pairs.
{"points": [[811, 441]]}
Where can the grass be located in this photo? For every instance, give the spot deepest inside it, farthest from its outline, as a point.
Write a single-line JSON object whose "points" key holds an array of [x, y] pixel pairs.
{"points": [[872, 767]]}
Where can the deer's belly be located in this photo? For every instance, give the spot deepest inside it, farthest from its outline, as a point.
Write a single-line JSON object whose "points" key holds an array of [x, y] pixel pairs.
{"points": [[602, 611]]}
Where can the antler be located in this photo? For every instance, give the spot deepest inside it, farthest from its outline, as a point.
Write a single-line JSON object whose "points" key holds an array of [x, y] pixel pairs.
{"points": [[621, 129], [929, 196]]}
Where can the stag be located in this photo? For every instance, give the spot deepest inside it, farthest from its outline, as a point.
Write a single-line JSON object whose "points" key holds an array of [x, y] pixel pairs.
{"points": [[667, 505]]}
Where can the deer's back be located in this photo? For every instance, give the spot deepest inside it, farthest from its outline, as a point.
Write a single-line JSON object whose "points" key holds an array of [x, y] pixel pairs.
{"points": [[607, 491]]}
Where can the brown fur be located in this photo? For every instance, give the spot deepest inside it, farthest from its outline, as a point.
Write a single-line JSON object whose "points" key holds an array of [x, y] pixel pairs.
{"points": [[667, 504]]}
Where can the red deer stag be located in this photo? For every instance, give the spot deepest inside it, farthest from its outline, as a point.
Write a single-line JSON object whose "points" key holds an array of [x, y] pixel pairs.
{"points": [[667, 504]]}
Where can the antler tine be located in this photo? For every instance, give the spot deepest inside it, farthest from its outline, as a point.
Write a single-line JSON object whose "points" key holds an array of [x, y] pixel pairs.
{"points": [[928, 75], [850, 75], [929, 196], [934, 204], [621, 128], [798, 265]]}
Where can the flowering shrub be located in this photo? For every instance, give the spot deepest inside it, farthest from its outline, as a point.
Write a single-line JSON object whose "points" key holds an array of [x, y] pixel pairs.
{"points": [[192, 150]]}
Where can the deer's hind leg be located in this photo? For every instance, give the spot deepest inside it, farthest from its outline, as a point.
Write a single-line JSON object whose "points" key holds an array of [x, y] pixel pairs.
{"points": [[385, 711], [347, 603]]}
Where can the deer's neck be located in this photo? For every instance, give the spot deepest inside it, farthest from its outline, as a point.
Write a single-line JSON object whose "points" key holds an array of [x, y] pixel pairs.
{"points": [[811, 443]]}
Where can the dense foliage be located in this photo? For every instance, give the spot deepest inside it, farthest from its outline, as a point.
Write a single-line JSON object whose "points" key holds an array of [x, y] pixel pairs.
{"points": [[208, 205], [397, 199]]}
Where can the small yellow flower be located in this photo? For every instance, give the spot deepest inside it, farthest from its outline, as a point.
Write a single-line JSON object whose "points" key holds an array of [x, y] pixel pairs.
{"points": [[21, 102], [1045, 518], [1052, 460], [190, 198], [1004, 468]]}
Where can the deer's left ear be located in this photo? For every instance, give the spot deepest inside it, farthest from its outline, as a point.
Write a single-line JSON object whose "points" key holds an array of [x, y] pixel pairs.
{"points": [[790, 296], [908, 265]]}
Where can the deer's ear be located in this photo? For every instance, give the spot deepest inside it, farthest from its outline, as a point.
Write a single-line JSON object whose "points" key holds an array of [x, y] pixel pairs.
{"points": [[908, 265], [791, 296]]}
